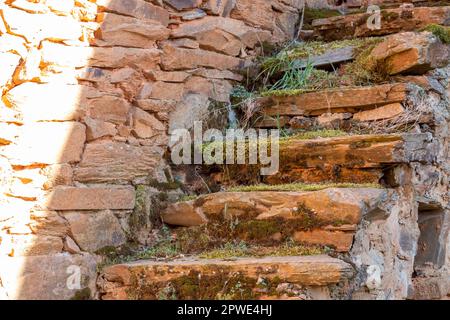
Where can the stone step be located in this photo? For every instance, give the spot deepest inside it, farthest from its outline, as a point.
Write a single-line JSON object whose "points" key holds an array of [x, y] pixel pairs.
{"points": [[240, 278], [326, 217], [392, 21], [348, 158], [352, 100]]}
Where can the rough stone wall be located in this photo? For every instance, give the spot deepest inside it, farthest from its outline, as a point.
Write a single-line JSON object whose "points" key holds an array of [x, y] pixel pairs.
{"points": [[392, 261], [89, 92]]}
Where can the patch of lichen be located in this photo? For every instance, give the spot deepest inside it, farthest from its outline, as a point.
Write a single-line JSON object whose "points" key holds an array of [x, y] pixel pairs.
{"points": [[145, 215], [248, 144], [442, 32], [213, 283]]}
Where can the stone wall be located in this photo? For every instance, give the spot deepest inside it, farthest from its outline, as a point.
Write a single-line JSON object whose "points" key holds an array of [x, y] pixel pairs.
{"points": [[89, 92]]}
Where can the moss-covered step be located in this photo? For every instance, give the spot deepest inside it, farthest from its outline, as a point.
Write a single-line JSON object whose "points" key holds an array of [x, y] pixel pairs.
{"points": [[354, 151], [392, 21], [241, 278], [347, 158], [351, 100], [326, 217]]}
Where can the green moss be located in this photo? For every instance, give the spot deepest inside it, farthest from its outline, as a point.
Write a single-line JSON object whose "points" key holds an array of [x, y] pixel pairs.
{"points": [[365, 70], [443, 33], [255, 230], [218, 283], [242, 249], [284, 93], [312, 14], [315, 134], [300, 187]]}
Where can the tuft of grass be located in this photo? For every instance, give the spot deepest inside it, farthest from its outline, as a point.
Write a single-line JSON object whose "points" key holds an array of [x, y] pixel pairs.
{"points": [[301, 187], [365, 70], [443, 33]]}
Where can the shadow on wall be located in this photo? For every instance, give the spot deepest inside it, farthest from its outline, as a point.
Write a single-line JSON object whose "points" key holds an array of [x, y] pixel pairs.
{"points": [[76, 143]]}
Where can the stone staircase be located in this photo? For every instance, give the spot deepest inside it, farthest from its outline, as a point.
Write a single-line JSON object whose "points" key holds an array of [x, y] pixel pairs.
{"points": [[340, 220]]}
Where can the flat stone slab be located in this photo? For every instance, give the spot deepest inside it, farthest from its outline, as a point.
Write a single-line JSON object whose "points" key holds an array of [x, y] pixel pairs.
{"points": [[329, 205], [357, 151], [330, 58], [192, 278], [326, 217], [392, 21], [334, 100]]}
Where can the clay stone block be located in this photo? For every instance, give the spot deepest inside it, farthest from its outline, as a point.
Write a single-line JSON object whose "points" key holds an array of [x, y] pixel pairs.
{"points": [[136, 8], [95, 230], [116, 162]]}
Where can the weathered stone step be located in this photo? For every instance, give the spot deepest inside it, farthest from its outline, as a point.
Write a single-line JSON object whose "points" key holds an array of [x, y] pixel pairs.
{"points": [[354, 151], [351, 100], [348, 158], [327, 217], [241, 278], [392, 21]]}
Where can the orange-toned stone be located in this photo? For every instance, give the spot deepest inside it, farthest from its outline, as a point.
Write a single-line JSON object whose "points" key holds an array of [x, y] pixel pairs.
{"points": [[341, 241], [335, 100], [116, 281], [346, 204]]}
